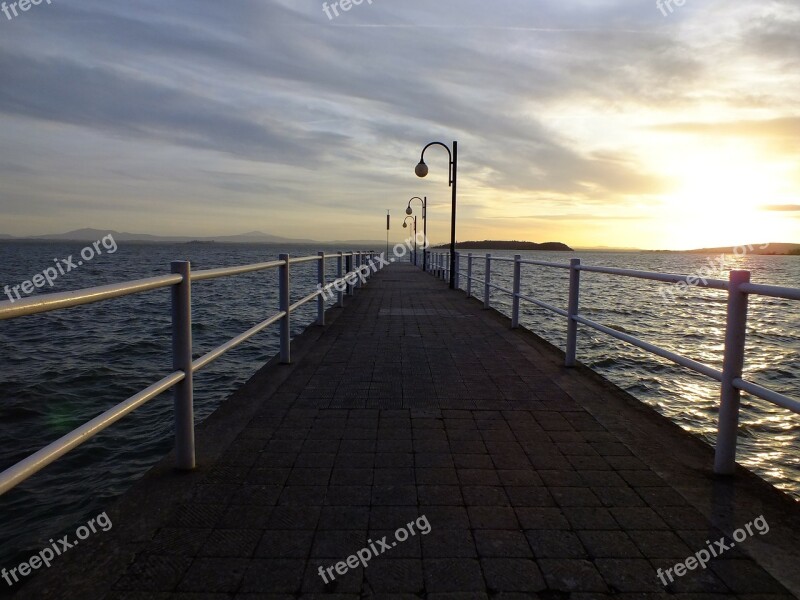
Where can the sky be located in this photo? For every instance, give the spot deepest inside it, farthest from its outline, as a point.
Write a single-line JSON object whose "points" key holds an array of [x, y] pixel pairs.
{"points": [[590, 122]]}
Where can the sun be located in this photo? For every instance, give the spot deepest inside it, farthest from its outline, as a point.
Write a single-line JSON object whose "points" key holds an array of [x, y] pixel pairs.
{"points": [[719, 195]]}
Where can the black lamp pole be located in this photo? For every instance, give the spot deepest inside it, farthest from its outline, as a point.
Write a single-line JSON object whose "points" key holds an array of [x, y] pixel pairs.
{"points": [[405, 224], [422, 170], [424, 227]]}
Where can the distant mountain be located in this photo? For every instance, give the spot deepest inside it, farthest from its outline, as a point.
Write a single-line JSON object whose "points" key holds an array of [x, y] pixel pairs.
{"points": [[759, 249], [510, 245]]}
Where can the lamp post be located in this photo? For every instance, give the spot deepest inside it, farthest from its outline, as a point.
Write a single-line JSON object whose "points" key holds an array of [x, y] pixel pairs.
{"points": [[424, 202], [422, 170], [405, 224]]}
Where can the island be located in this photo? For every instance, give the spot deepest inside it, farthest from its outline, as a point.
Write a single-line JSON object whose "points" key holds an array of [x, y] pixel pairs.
{"points": [[510, 245]]}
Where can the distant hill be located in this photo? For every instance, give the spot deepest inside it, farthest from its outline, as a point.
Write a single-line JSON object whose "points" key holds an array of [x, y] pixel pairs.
{"points": [[252, 237], [775, 248], [510, 245]]}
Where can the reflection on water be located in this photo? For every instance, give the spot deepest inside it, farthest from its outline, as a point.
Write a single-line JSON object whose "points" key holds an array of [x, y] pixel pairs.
{"points": [[694, 326]]}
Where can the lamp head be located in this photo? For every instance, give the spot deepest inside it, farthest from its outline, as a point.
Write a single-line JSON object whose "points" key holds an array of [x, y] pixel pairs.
{"points": [[405, 225], [409, 211], [421, 169]]}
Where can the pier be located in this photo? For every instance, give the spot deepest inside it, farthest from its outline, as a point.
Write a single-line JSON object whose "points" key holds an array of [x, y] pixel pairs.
{"points": [[413, 404]]}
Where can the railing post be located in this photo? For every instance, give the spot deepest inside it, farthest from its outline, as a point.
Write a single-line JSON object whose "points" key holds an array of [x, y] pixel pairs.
{"points": [[182, 361], [732, 366], [447, 268], [321, 297], [572, 311], [357, 267], [348, 270], [487, 279], [284, 303], [469, 275], [516, 288], [457, 273], [339, 275]]}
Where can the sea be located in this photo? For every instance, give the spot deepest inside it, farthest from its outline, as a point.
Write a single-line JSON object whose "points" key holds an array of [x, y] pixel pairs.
{"points": [[59, 370]]}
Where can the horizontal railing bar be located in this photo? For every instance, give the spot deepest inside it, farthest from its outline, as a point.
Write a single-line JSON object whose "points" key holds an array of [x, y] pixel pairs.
{"points": [[501, 258], [717, 284], [210, 357], [49, 302], [230, 271], [305, 300], [37, 461], [767, 394], [549, 307], [304, 259], [773, 291], [676, 358], [542, 263]]}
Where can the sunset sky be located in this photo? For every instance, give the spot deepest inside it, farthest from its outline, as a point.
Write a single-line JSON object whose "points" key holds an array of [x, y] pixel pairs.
{"points": [[591, 122]]}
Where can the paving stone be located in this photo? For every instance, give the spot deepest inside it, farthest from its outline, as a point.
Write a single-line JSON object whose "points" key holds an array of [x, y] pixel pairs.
{"points": [[153, 572], [555, 543], [572, 575], [501, 543], [274, 575], [628, 574], [609, 544], [512, 574], [344, 517], [541, 518], [214, 575], [440, 495], [453, 575], [287, 543], [484, 495], [489, 517], [395, 575], [231, 543]]}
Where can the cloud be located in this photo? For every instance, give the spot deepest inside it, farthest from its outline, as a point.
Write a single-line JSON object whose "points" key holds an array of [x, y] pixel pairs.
{"points": [[781, 207], [265, 109]]}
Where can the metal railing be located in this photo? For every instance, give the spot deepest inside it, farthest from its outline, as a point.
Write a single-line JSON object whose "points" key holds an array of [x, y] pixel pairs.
{"points": [[352, 271], [731, 379]]}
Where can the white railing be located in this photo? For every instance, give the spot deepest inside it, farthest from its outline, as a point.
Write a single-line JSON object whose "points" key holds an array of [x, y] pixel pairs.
{"points": [[731, 379], [353, 269]]}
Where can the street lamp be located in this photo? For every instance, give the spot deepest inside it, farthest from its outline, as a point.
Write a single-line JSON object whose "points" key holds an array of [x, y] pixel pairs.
{"points": [[424, 202], [422, 170], [405, 224]]}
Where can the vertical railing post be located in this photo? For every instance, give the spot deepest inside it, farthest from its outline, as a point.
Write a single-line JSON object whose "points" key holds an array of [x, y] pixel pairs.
{"points": [[572, 311], [339, 275], [516, 290], [357, 267], [348, 270], [457, 273], [182, 361], [321, 282], [447, 266], [284, 303], [469, 275], [487, 279], [732, 366]]}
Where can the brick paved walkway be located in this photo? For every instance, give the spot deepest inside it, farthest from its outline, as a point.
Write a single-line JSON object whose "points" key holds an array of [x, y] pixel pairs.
{"points": [[414, 403]]}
